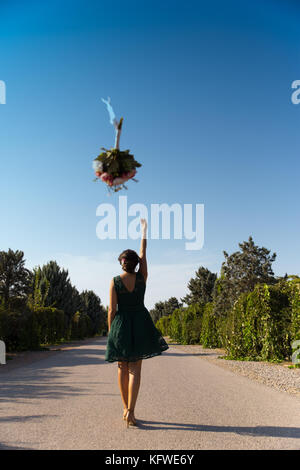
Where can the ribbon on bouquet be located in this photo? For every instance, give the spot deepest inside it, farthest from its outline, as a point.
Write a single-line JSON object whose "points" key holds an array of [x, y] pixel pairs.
{"points": [[117, 125]]}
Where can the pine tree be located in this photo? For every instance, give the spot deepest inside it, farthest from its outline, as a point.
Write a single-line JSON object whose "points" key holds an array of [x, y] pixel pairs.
{"points": [[200, 287], [15, 279], [240, 272]]}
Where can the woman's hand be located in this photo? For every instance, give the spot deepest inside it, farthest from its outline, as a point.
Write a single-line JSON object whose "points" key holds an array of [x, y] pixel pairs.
{"points": [[143, 259], [144, 226]]}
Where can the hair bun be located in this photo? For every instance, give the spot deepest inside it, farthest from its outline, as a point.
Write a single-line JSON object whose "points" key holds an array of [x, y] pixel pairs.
{"points": [[129, 259]]}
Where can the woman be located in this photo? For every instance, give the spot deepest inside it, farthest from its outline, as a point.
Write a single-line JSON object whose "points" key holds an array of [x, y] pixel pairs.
{"points": [[132, 335]]}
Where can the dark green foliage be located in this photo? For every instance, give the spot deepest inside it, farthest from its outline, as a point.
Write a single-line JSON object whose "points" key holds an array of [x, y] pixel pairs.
{"points": [[164, 308], [18, 330], [183, 325], [61, 294], [252, 315], [240, 272], [200, 287], [192, 324], [258, 326], [28, 301], [15, 279], [81, 326], [36, 298], [175, 325], [163, 325], [28, 329], [91, 306], [116, 162], [294, 296], [211, 331], [51, 324], [261, 325]]}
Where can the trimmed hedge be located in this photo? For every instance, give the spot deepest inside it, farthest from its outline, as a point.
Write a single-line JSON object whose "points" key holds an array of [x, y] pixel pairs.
{"points": [[211, 332], [29, 329], [81, 326], [260, 326], [19, 331], [294, 297], [51, 324], [163, 325]]}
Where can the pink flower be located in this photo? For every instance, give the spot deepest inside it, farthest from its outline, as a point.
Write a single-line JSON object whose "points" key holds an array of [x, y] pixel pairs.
{"points": [[131, 174], [106, 177], [119, 180]]}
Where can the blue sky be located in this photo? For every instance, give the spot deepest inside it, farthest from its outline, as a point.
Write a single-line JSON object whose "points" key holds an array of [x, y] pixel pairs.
{"points": [[205, 92]]}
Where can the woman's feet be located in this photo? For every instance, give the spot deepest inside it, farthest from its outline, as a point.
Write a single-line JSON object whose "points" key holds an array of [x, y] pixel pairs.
{"points": [[130, 419]]}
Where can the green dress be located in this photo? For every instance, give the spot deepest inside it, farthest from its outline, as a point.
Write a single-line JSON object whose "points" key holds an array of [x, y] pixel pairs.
{"points": [[133, 335]]}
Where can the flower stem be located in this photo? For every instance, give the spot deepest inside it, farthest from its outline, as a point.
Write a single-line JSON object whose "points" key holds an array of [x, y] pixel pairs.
{"points": [[118, 135]]}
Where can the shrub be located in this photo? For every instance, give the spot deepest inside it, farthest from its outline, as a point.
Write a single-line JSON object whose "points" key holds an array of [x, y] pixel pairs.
{"points": [[294, 296], [184, 325], [51, 324], [163, 325], [258, 325], [19, 330], [211, 332], [175, 326], [191, 324], [81, 326], [28, 329]]}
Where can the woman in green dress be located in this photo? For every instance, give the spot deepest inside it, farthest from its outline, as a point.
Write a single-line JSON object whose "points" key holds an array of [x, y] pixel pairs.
{"points": [[132, 335]]}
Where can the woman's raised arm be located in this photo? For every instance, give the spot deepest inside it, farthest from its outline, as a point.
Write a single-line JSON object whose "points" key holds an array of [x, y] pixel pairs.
{"points": [[143, 259]]}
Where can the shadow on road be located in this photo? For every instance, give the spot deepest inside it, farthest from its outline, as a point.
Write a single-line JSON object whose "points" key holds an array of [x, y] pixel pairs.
{"points": [[48, 377], [6, 447], [269, 431]]}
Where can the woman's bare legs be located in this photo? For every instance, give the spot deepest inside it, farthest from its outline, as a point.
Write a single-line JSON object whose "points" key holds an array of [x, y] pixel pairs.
{"points": [[123, 379], [134, 369]]}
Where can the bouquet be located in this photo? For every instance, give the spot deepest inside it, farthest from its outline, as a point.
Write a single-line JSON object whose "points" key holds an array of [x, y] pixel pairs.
{"points": [[114, 166]]}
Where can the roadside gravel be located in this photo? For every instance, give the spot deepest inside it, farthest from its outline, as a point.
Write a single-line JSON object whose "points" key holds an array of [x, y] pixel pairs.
{"points": [[277, 376]]}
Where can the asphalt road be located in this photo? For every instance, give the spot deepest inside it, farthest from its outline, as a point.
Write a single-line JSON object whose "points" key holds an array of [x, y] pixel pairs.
{"points": [[70, 400]]}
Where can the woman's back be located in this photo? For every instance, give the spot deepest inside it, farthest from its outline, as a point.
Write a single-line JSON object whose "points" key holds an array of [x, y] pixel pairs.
{"points": [[126, 299]]}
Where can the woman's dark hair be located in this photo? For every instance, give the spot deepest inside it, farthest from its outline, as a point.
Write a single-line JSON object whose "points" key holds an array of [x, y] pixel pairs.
{"points": [[130, 260]]}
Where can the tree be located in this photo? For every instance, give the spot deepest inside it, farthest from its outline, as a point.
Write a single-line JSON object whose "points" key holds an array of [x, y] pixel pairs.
{"points": [[91, 306], [164, 308], [240, 272], [36, 299], [15, 279], [200, 287], [61, 293]]}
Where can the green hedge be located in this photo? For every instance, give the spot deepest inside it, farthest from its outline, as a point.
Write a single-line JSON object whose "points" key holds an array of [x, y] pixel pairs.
{"points": [[28, 329], [81, 326], [163, 325], [51, 324], [260, 326], [211, 332], [294, 297], [19, 331], [184, 325]]}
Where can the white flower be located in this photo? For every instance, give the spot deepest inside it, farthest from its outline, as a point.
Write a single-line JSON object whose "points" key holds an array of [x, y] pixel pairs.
{"points": [[97, 165]]}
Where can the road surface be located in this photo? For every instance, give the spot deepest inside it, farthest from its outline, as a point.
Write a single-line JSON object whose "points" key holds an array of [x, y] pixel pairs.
{"points": [[70, 400]]}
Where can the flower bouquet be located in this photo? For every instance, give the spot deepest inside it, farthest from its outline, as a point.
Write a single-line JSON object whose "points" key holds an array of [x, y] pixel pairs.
{"points": [[114, 166]]}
